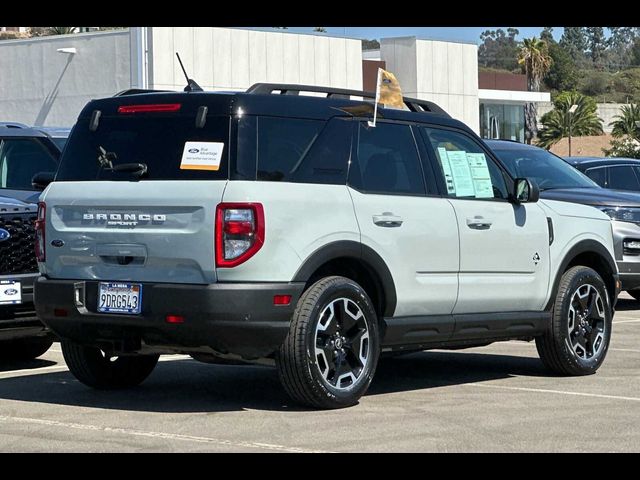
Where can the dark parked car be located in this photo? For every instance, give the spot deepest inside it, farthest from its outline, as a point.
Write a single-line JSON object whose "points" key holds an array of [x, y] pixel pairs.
{"points": [[616, 173], [24, 152], [558, 180]]}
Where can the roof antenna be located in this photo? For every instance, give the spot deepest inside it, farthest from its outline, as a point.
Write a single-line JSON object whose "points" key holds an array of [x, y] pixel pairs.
{"points": [[192, 86]]}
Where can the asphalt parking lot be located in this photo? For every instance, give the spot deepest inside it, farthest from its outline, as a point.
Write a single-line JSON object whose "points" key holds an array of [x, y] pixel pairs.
{"points": [[496, 398]]}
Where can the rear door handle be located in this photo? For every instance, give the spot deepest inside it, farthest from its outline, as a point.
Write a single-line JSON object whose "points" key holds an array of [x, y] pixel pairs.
{"points": [[479, 223], [387, 219]]}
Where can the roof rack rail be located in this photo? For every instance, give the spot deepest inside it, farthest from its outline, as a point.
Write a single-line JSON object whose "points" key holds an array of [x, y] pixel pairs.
{"points": [[413, 104], [135, 91]]}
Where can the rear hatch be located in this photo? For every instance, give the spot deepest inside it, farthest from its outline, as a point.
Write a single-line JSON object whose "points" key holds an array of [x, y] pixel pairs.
{"points": [[131, 225]]}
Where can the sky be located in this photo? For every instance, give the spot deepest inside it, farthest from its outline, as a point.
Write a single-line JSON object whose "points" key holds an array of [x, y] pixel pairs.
{"points": [[464, 34]]}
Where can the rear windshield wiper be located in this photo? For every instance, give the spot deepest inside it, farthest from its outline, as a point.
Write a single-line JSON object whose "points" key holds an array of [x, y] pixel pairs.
{"points": [[106, 159]]}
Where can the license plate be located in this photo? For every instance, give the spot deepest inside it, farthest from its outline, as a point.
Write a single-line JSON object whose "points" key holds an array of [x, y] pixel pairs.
{"points": [[120, 298], [10, 292]]}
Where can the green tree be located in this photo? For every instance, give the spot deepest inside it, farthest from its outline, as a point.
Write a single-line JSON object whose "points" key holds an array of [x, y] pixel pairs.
{"points": [[563, 73], [561, 122], [45, 31], [635, 52], [597, 44], [547, 35], [370, 44], [623, 148], [535, 61], [626, 123], [574, 41], [499, 49]]}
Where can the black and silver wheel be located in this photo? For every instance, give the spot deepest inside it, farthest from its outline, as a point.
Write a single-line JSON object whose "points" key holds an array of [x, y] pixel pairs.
{"points": [[95, 368], [329, 357], [577, 340]]}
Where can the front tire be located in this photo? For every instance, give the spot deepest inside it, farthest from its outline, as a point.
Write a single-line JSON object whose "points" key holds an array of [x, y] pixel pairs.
{"points": [[330, 354], [577, 339], [95, 369]]}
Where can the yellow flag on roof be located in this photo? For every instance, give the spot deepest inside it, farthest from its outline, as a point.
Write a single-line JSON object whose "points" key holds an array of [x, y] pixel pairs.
{"points": [[388, 93]]}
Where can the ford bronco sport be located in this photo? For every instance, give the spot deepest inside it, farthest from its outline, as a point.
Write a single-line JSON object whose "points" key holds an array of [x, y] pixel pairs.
{"points": [[274, 227]]}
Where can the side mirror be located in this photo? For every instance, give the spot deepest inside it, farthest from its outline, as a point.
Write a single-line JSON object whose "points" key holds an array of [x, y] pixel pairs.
{"points": [[41, 180], [526, 191]]}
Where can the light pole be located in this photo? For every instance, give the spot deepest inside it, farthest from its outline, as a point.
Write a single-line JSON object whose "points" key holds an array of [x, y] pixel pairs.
{"points": [[572, 110]]}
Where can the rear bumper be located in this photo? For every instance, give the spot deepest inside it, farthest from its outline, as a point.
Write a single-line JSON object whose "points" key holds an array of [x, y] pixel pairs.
{"points": [[232, 318]]}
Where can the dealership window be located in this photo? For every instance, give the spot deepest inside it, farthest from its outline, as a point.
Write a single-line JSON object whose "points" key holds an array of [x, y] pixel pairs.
{"points": [[502, 121]]}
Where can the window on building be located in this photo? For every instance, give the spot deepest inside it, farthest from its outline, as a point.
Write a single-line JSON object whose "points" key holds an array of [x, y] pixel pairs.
{"points": [[500, 121]]}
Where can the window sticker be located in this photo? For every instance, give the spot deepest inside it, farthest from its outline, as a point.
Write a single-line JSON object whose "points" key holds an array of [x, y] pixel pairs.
{"points": [[480, 175], [461, 172], [446, 169], [201, 156]]}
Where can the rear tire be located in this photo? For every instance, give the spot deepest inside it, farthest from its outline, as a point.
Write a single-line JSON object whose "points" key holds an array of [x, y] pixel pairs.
{"points": [[25, 348], [330, 354], [577, 339], [93, 368]]}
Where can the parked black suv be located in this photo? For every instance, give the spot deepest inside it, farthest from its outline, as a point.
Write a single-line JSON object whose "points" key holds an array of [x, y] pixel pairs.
{"points": [[24, 152]]}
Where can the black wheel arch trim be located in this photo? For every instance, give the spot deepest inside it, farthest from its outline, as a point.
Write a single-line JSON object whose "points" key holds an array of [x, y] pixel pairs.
{"points": [[586, 246], [357, 251]]}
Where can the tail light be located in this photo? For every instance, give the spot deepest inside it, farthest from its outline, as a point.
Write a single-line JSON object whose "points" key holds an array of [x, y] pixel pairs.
{"points": [[149, 108], [239, 232], [40, 239]]}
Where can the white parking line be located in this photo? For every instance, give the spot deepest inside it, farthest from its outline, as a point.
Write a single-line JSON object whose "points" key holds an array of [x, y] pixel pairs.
{"points": [[32, 371], [558, 392], [627, 321], [163, 435]]}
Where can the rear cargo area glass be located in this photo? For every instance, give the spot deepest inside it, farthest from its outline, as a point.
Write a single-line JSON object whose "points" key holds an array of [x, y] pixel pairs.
{"points": [[156, 140]]}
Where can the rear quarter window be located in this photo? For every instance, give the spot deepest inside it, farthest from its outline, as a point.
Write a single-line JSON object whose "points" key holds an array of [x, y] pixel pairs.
{"points": [[155, 140]]}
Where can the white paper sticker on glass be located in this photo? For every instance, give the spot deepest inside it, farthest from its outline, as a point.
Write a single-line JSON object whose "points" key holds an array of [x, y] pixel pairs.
{"points": [[461, 172], [480, 175], [446, 169], [201, 156]]}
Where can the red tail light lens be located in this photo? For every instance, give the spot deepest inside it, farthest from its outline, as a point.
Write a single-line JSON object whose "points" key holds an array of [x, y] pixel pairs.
{"points": [[150, 108], [239, 232], [39, 227]]}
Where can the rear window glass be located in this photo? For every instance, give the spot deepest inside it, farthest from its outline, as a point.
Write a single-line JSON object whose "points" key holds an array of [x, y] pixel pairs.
{"points": [[158, 141]]}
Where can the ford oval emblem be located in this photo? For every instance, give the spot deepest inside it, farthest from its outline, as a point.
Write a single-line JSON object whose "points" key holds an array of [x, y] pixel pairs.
{"points": [[193, 150], [57, 243], [11, 291], [4, 235]]}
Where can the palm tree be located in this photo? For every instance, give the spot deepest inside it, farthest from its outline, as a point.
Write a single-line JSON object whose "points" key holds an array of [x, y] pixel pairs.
{"points": [[561, 122], [626, 124], [535, 61]]}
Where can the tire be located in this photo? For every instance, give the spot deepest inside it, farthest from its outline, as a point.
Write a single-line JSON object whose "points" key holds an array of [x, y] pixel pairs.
{"points": [[634, 293], [330, 354], [94, 369], [574, 345], [25, 348]]}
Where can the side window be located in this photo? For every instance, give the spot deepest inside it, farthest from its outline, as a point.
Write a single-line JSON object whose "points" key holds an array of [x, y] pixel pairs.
{"points": [[386, 161], [467, 171], [623, 178], [598, 175], [20, 160], [327, 159], [282, 144]]}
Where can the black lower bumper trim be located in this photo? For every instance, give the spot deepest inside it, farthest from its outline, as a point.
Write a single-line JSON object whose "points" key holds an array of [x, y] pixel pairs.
{"points": [[230, 318]]}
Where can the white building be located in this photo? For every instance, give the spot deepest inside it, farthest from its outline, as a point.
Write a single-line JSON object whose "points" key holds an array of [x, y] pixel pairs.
{"points": [[47, 80]]}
